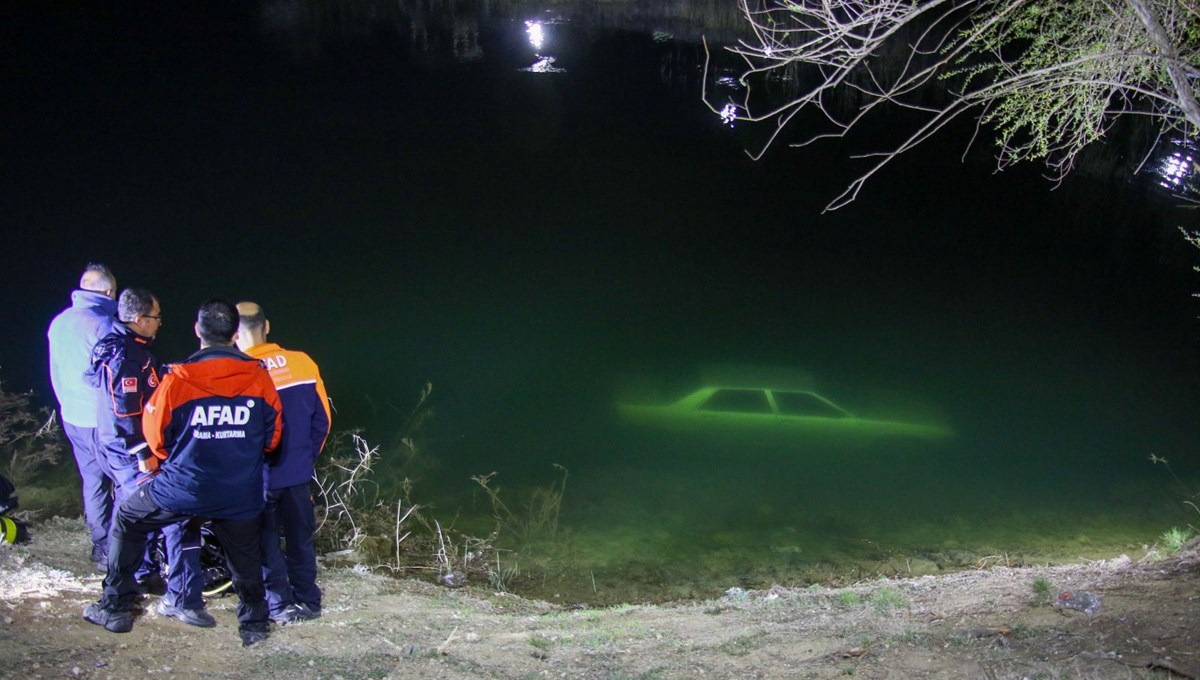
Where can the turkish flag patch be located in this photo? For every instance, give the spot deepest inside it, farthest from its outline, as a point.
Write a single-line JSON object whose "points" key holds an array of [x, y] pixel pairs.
{"points": [[128, 385]]}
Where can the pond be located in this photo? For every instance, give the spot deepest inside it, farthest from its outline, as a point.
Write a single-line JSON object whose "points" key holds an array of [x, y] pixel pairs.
{"points": [[529, 207]]}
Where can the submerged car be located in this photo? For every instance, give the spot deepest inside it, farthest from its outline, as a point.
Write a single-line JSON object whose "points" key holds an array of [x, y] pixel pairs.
{"points": [[780, 415]]}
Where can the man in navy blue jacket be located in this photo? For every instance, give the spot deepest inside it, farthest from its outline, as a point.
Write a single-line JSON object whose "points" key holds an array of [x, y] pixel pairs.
{"points": [[127, 373], [290, 569], [72, 335]]}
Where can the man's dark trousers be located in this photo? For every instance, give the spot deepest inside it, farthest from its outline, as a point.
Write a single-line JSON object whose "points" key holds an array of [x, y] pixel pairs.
{"points": [[125, 475], [137, 516], [97, 485], [292, 571]]}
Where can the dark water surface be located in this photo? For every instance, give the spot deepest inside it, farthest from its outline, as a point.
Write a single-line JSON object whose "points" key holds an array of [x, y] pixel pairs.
{"points": [[412, 203]]}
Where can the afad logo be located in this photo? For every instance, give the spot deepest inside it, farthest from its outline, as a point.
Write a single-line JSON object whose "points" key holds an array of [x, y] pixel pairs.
{"points": [[205, 416]]}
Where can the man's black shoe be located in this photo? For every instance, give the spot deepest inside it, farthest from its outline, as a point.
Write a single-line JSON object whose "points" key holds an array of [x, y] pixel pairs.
{"points": [[250, 637], [192, 617], [114, 622], [294, 613], [99, 559]]}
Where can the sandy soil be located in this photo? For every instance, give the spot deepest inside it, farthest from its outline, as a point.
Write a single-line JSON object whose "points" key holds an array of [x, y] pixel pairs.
{"points": [[988, 623]]}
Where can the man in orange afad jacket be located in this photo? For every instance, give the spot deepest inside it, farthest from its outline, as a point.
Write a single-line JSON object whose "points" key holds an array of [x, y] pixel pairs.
{"points": [[290, 565], [209, 426]]}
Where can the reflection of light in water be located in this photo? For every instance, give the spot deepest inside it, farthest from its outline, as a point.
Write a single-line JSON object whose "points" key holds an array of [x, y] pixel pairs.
{"points": [[537, 36], [729, 81], [544, 65], [1175, 169], [729, 114]]}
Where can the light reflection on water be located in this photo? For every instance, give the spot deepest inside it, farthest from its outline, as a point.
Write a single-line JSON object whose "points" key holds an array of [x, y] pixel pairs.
{"points": [[544, 65], [1177, 168], [537, 36]]}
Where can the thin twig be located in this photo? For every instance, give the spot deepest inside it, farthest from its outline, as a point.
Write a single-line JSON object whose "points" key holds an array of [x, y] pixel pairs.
{"points": [[441, 649]]}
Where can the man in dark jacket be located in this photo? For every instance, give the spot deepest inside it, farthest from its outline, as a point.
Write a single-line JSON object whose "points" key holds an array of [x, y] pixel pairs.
{"points": [[72, 335], [208, 426], [127, 373], [290, 571]]}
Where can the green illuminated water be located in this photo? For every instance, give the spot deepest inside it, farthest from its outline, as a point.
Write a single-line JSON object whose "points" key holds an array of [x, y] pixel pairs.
{"points": [[411, 205]]}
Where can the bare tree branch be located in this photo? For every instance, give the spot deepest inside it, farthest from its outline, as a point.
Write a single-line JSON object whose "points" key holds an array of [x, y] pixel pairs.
{"points": [[1048, 77]]}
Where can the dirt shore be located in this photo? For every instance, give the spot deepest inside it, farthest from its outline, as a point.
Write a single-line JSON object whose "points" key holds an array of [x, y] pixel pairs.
{"points": [[991, 623]]}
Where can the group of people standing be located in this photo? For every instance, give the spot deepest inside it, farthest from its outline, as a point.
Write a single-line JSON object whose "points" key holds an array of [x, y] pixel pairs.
{"points": [[228, 437]]}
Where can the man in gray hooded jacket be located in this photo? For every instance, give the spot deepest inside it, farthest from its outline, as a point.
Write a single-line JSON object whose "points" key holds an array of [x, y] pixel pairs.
{"points": [[72, 335]]}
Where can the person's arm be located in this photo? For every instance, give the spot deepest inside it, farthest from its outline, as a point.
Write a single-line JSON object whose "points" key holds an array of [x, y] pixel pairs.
{"points": [[322, 421], [127, 384], [155, 423], [272, 412]]}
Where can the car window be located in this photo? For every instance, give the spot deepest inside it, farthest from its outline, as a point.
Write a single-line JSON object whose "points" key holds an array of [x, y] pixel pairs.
{"points": [[806, 404], [737, 401]]}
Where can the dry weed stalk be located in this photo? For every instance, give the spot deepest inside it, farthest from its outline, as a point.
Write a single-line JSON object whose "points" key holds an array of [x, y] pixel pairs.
{"points": [[360, 517], [454, 565], [29, 439], [345, 486]]}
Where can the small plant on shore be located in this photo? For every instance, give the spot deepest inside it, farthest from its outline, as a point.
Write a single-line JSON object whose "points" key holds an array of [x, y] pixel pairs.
{"points": [[1174, 539], [740, 645], [887, 599], [1042, 587], [502, 574], [912, 637], [848, 599], [959, 640]]}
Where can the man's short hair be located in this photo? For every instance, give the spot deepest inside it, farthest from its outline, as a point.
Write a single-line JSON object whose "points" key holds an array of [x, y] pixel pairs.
{"points": [[97, 278], [218, 321], [134, 302], [254, 323]]}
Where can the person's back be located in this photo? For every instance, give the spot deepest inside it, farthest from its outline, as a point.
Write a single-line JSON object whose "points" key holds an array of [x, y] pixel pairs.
{"points": [[212, 413], [306, 417], [71, 336]]}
